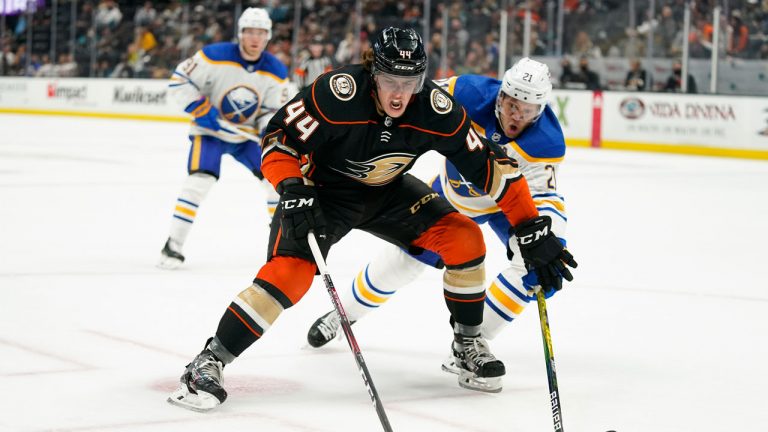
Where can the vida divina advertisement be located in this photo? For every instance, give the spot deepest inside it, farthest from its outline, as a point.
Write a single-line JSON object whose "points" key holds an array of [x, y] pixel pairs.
{"points": [[690, 120]]}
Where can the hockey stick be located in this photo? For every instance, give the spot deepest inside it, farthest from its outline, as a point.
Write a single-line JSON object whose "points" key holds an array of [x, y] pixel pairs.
{"points": [[367, 380], [229, 127], [549, 357]]}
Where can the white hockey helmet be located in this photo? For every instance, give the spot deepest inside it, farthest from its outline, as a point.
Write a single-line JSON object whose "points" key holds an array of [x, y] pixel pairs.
{"points": [[528, 81], [255, 18]]}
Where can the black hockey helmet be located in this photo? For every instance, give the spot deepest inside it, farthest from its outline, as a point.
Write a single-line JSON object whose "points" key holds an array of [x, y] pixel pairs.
{"points": [[400, 52]]}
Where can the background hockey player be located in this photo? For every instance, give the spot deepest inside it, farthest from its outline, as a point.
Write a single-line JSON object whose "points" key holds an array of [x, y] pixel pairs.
{"points": [[514, 113], [362, 127], [241, 84]]}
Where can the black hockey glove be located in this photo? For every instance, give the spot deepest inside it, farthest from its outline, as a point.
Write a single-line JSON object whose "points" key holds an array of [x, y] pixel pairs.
{"points": [[544, 253], [301, 211]]}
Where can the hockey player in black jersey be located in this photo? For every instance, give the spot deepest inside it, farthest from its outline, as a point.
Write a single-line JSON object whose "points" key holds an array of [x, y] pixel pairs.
{"points": [[338, 155]]}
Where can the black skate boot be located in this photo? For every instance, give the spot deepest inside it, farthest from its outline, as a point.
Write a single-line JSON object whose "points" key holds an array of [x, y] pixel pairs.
{"points": [[324, 329], [170, 256], [477, 368], [200, 388]]}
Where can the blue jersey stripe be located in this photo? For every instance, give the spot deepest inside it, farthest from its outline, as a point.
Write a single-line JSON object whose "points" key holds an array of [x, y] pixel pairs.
{"points": [[361, 301], [551, 210], [187, 202], [498, 311], [370, 285], [547, 195], [510, 287], [182, 218]]}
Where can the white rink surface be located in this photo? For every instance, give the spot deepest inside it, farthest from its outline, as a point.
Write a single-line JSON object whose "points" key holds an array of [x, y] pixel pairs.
{"points": [[663, 329]]}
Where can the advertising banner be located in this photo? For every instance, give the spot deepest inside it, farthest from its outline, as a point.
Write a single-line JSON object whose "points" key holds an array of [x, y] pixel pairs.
{"points": [[681, 121], [689, 124], [574, 114], [118, 98]]}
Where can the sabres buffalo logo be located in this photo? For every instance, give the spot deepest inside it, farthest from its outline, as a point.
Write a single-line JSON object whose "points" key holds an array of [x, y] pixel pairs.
{"points": [[379, 170], [440, 102], [343, 86], [240, 104]]}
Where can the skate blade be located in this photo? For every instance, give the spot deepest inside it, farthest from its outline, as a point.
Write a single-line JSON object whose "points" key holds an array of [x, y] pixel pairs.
{"points": [[469, 381], [168, 263], [200, 402], [450, 366]]}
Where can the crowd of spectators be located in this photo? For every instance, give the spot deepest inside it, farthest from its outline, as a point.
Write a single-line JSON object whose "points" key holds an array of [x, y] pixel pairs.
{"points": [[127, 39]]}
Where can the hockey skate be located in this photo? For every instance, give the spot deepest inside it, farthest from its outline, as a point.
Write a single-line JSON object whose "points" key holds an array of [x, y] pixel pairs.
{"points": [[324, 329], [473, 362], [170, 256], [200, 387]]}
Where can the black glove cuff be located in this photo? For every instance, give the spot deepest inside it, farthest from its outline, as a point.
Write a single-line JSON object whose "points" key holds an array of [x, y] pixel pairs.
{"points": [[290, 181]]}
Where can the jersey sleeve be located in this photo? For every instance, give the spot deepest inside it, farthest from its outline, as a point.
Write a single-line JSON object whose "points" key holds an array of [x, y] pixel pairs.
{"points": [[186, 84], [542, 181], [487, 166], [295, 130], [540, 151]]}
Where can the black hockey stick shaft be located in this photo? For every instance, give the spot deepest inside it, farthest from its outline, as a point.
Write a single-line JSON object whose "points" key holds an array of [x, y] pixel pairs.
{"points": [[347, 327], [549, 357]]}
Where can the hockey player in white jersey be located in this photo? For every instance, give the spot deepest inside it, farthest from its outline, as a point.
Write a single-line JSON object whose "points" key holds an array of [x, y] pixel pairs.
{"points": [[223, 86], [513, 113]]}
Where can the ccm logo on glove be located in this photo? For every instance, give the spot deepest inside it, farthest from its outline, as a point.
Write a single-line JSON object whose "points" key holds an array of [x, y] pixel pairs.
{"points": [[301, 211], [298, 203], [533, 237]]}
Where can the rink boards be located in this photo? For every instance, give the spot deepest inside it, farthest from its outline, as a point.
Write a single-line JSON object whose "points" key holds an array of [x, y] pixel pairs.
{"points": [[730, 126]]}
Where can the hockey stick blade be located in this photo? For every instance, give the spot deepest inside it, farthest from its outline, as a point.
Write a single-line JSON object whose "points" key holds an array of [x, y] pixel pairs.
{"points": [[549, 358]]}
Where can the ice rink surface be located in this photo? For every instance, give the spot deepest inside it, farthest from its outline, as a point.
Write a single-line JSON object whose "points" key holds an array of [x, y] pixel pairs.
{"points": [[662, 330]]}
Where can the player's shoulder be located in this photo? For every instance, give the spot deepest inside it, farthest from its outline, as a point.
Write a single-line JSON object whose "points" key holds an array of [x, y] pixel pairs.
{"points": [[221, 52], [342, 95], [544, 140], [435, 111], [479, 84], [274, 66], [477, 93]]}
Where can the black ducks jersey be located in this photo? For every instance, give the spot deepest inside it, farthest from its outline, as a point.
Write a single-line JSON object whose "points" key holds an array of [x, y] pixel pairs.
{"points": [[333, 134]]}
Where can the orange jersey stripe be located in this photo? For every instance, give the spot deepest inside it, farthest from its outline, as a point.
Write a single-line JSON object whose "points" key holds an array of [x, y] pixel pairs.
{"points": [[465, 301], [463, 120], [244, 323], [317, 108]]}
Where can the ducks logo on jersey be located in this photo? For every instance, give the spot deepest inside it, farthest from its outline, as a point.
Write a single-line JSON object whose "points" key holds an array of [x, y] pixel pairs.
{"points": [[379, 170], [240, 104]]}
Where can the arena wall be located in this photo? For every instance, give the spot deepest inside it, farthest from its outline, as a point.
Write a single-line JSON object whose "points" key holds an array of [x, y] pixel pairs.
{"points": [[732, 126]]}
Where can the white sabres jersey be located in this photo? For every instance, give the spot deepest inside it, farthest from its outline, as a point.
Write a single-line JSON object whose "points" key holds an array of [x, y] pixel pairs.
{"points": [[539, 150], [245, 93]]}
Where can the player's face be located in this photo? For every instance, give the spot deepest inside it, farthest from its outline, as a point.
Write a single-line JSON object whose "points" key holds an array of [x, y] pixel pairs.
{"points": [[395, 92], [253, 42], [515, 115]]}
